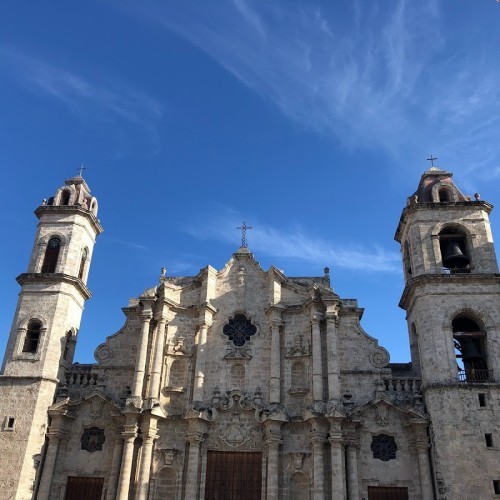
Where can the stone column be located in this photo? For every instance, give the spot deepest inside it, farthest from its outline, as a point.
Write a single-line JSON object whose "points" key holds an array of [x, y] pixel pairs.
{"points": [[149, 437], [192, 473], [337, 461], [317, 369], [199, 377], [333, 364], [115, 466], [140, 365], [154, 384], [275, 379], [129, 434], [424, 467], [206, 313], [54, 437], [352, 471], [318, 435], [272, 440]]}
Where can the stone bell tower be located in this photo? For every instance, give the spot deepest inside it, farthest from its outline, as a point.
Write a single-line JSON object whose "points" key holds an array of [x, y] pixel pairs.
{"points": [[452, 287], [43, 336]]}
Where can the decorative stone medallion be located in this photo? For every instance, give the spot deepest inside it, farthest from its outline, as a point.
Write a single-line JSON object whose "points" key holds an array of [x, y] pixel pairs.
{"points": [[379, 358], [103, 354]]}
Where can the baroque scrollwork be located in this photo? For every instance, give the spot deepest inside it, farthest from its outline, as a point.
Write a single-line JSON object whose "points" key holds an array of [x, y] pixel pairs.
{"points": [[379, 358]]}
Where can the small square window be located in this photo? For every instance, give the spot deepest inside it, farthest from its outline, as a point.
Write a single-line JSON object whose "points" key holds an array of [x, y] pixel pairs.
{"points": [[496, 486], [482, 400], [489, 440], [9, 423]]}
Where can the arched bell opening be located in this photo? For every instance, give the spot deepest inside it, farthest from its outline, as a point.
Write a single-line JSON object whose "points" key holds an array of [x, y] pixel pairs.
{"points": [[454, 252], [65, 197], [407, 260], [470, 350], [444, 195]]}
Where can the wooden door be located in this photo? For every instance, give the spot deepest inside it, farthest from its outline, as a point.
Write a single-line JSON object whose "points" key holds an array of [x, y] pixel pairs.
{"points": [[387, 493], [84, 488], [233, 476]]}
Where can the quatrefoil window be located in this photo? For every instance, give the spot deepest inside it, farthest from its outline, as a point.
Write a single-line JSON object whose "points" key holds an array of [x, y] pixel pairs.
{"points": [[384, 447], [239, 330]]}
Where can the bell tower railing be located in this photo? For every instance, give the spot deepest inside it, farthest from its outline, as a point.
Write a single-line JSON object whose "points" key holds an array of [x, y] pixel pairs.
{"points": [[474, 376]]}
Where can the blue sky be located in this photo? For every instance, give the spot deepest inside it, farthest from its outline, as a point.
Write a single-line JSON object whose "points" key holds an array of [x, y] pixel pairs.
{"points": [[312, 121]]}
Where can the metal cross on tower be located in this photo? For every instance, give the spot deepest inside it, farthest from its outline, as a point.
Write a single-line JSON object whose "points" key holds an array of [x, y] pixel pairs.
{"points": [[244, 228], [431, 159], [81, 168]]}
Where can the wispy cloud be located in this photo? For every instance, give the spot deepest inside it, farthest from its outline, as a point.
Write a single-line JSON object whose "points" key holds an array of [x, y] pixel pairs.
{"points": [[126, 243], [295, 243], [371, 74], [250, 16], [81, 93]]}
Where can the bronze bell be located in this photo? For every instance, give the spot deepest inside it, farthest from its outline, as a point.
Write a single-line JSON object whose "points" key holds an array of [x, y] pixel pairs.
{"points": [[471, 351], [454, 257]]}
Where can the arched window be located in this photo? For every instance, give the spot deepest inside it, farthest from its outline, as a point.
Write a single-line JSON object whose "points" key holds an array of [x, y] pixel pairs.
{"points": [[299, 486], [83, 260], [177, 376], [69, 344], [444, 195], [454, 252], [238, 376], [65, 196], [299, 379], [32, 338], [165, 483], [407, 259], [469, 342], [51, 255]]}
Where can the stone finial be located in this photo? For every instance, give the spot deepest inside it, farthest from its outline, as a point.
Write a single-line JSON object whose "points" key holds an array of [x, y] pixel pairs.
{"points": [[477, 196], [163, 272]]}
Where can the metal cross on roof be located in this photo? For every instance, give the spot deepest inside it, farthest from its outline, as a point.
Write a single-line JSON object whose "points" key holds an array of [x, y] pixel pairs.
{"points": [[431, 159], [244, 228], [81, 168]]}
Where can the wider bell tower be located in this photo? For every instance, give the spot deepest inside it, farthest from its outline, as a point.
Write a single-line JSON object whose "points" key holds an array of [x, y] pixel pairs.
{"points": [[451, 299], [43, 335]]}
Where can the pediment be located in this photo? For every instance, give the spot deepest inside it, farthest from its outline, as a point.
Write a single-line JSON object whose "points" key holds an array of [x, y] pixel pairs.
{"points": [[383, 406], [97, 401]]}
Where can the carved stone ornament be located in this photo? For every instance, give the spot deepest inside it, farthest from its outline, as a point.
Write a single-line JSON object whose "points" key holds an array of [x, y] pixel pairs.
{"points": [[381, 415], [238, 353], [235, 431], [103, 354], [96, 408], [379, 358], [298, 459], [299, 349], [179, 348], [92, 439], [164, 456]]}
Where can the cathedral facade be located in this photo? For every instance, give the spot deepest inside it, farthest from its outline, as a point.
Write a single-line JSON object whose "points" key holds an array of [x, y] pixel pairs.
{"points": [[244, 383]]}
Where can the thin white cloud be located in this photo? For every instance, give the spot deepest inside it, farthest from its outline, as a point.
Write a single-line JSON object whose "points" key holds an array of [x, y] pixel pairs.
{"points": [[296, 243], [250, 16], [372, 74], [131, 244], [79, 93]]}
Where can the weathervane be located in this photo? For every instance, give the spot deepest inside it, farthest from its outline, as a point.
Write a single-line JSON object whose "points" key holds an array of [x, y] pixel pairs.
{"points": [[244, 228], [81, 168], [431, 159]]}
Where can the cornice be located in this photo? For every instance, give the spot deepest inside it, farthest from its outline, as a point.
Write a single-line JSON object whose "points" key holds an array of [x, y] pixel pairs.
{"points": [[458, 205], [71, 209], [425, 279], [54, 278]]}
